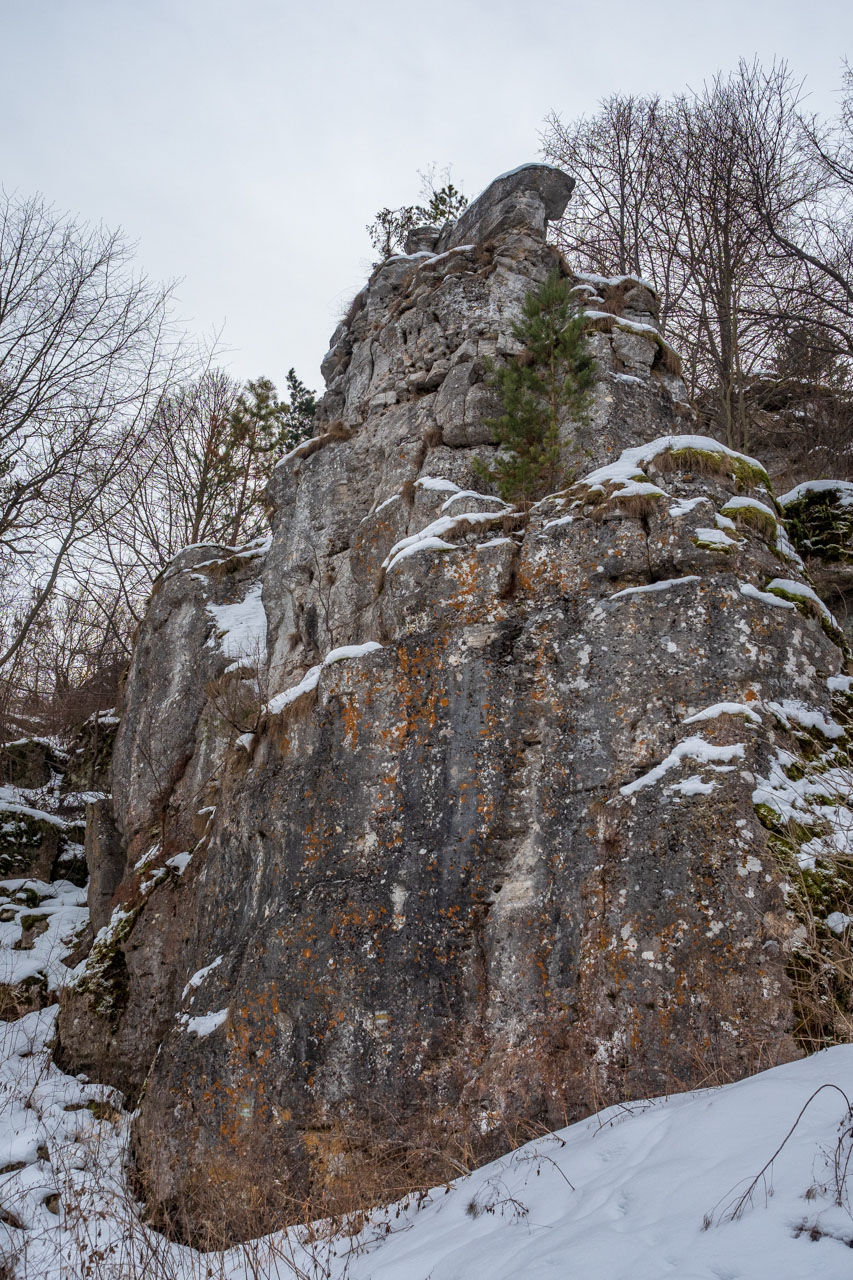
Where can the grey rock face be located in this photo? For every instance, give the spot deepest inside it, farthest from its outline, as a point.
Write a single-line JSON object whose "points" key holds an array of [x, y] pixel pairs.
{"points": [[422, 239], [30, 762], [169, 747], [525, 199], [90, 757], [41, 815], [485, 847], [104, 859]]}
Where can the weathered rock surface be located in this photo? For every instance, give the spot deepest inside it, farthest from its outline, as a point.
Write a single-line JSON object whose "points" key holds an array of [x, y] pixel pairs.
{"points": [[820, 519], [473, 843], [44, 928], [524, 199], [41, 813], [90, 757]]}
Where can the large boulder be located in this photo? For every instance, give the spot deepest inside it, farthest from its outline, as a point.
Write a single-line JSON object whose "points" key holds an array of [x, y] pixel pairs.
{"points": [[526, 199], [500, 834]]}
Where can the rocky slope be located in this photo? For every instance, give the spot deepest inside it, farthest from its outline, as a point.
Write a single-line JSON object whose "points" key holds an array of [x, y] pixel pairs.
{"points": [[45, 791], [435, 822]]}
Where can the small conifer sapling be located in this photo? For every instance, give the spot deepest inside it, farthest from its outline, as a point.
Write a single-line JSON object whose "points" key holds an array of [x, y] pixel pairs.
{"points": [[549, 381]]}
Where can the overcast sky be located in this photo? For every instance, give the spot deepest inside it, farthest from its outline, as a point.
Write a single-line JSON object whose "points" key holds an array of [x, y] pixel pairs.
{"points": [[244, 146]]}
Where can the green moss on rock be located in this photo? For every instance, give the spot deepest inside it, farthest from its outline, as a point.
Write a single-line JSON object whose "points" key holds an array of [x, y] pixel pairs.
{"points": [[753, 516], [748, 473], [818, 525]]}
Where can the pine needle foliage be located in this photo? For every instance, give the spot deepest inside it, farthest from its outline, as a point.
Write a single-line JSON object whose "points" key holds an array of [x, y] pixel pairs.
{"points": [[549, 381]]}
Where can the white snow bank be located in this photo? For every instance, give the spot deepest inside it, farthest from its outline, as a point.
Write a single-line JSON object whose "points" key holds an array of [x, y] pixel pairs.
{"points": [[395, 497], [664, 585], [203, 1024], [693, 786], [683, 506], [48, 1128], [802, 592], [725, 709], [625, 1196], [819, 802], [472, 493], [628, 467], [785, 547], [641, 1191], [694, 748], [408, 257], [449, 253], [843, 488], [633, 326], [437, 484], [418, 545], [55, 925], [199, 976], [16, 800], [180, 862], [242, 628], [589, 277], [351, 651], [309, 681], [431, 537], [788, 709], [777, 602], [312, 677], [745, 504], [715, 538], [107, 717]]}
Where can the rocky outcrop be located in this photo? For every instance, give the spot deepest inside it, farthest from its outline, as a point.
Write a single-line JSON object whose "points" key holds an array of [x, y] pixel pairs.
{"points": [[44, 928], [41, 813], [819, 515], [91, 753], [526, 200], [440, 819]]}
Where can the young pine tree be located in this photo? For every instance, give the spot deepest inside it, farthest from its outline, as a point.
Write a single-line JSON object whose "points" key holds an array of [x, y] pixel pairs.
{"points": [[261, 429], [549, 380], [442, 204]]}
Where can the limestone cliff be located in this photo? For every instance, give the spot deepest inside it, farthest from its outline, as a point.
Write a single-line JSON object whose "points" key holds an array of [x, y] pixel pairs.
{"points": [[435, 820]]}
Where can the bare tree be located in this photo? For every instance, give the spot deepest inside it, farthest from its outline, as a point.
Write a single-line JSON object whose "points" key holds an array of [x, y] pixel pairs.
{"points": [[85, 349], [667, 191], [813, 224], [615, 156], [734, 281], [118, 446], [200, 473]]}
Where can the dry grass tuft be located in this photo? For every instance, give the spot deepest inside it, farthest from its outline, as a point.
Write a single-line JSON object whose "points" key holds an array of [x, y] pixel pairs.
{"points": [[357, 305], [337, 430], [748, 473], [754, 518], [637, 506]]}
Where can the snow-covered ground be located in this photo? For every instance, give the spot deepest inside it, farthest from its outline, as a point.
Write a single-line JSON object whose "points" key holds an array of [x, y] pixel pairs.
{"points": [[745, 1182], [751, 1181], [49, 918]]}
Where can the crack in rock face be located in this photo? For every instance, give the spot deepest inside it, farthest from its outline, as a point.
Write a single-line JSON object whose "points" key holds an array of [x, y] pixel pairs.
{"points": [[468, 842]]}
